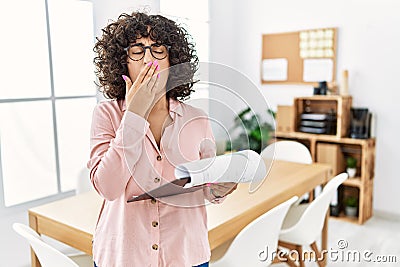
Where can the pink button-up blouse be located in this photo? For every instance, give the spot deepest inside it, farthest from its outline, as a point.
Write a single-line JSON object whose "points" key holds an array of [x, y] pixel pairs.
{"points": [[125, 161]]}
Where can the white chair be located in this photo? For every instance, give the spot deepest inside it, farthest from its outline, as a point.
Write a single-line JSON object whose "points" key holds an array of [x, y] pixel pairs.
{"points": [[83, 183], [47, 255], [303, 223], [256, 244], [289, 151]]}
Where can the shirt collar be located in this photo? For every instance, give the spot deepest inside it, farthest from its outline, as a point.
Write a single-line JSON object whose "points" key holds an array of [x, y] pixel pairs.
{"points": [[174, 106]]}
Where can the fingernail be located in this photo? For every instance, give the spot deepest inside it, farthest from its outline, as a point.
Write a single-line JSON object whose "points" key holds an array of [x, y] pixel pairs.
{"points": [[207, 184], [124, 77], [155, 62], [158, 67], [158, 75], [149, 64]]}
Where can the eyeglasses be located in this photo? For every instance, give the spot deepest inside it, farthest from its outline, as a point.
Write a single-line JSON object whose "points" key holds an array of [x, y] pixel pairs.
{"points": [[136, 51]]}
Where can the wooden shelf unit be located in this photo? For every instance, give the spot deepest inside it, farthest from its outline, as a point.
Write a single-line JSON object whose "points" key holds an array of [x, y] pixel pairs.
{"points": [[362, 149]]}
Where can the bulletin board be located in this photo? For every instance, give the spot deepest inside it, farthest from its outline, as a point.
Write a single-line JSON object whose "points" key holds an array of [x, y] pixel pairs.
{"points": [[301, 57]]}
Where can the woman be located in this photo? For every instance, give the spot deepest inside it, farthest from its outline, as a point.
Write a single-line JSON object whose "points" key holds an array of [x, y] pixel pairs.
{"points": [[145, 64]]}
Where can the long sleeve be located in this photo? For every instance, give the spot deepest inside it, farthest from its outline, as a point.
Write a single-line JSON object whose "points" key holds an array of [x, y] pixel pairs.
{"points": [[208, 150], [114, 153]]}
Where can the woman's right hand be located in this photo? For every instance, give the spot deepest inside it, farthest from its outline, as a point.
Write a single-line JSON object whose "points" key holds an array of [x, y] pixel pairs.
{"points": [[140, 95]]}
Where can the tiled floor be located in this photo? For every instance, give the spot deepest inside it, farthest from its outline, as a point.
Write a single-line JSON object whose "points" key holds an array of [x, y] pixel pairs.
{"points": [[377, 237]]}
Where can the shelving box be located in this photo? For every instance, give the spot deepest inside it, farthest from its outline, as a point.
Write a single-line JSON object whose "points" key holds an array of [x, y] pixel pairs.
{"points": [[340, 105], [285, 119], [331, 154]]}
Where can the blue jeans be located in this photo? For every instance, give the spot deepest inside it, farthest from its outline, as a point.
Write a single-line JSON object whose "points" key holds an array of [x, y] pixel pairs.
{"points": [[201, 265]]}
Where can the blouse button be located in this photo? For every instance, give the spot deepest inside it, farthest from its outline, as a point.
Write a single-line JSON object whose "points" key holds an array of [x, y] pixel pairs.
{"points": [[155, 247], [153, 201], [155, 224], [159, 158], [157, 180]]}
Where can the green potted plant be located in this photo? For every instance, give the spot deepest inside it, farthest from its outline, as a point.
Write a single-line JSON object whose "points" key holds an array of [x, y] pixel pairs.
{"points": [[351, 164], [250, 132], [351, 206]]}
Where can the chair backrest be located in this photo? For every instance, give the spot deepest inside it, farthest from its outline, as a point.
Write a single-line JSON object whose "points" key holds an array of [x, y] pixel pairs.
{"points": [[311, 222], [83, 183], [287, 150], [256, 244], [47, 255]]}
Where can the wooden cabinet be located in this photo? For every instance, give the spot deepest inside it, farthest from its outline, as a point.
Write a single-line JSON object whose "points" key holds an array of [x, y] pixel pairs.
{"points": [[334, 148]]}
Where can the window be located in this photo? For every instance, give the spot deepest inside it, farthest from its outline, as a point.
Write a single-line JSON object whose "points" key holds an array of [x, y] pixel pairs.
{"points": [[47, 96], [194, 17]]}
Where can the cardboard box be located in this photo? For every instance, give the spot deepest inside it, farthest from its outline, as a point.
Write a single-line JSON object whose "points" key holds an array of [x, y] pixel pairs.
{"points": [[333, 155], [285, 119]]}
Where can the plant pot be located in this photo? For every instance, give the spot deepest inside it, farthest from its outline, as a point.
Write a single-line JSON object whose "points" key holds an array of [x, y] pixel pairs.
{"points": [[351, 211], [351, 172]]}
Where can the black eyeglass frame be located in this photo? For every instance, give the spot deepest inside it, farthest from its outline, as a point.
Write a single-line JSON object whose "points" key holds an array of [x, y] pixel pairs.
{"points": [[150, 47]]}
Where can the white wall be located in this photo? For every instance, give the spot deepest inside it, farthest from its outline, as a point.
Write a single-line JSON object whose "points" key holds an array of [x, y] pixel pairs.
{"points": [[368, 46]]}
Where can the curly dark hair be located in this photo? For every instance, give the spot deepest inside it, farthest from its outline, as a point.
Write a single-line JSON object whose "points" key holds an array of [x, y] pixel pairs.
{"points": [[111, 59]]}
